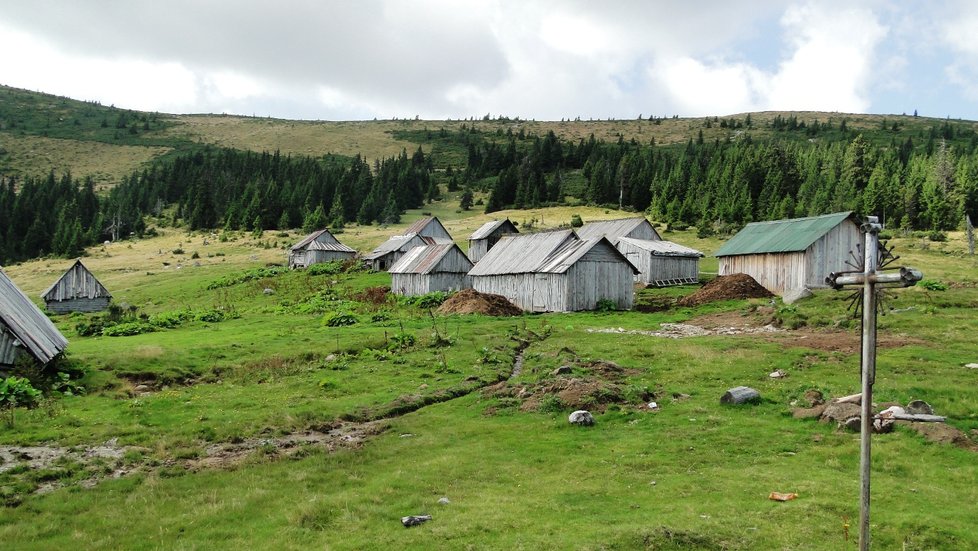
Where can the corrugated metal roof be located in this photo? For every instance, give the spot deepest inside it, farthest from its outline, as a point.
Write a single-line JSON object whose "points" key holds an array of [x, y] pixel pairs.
{"points": [[424, 260], [77, 282], [321, 237], [486, 229], [662, 247], [781, 236], [26, 322], [521, 253], [612, 229], [336, 247], [565, 257], [396, 243]]}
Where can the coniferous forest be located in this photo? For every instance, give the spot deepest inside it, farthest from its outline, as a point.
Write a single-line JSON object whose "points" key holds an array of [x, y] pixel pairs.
{"points": [[923, 182]]}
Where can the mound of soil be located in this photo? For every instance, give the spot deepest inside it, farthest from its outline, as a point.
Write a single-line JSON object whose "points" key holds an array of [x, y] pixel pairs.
{"points": [[373, 295], [729, 287], [470, 301]]}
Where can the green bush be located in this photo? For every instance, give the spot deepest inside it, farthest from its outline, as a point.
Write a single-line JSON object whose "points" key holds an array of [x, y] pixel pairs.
{"points": [[169, 320], [430, 300], [128, 329], [576, 221], [91, 328], [936, 235], [247, 275], [933, 285], [332, 267], [339, 319], [606, 305], [216, 315], [17, 391]]}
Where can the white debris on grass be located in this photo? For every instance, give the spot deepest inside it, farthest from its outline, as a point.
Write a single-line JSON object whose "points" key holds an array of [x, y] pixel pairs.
{"points": [[684, 330]]}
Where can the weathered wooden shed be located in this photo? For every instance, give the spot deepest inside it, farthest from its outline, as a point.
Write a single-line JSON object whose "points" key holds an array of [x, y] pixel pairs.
{"points": [[488, 235], [555, 272], [316, 248], [388, 252], [431, 268], [636, 228], [431, 227], [661, 263], [24, 329], [76, 291], [791, 254]]}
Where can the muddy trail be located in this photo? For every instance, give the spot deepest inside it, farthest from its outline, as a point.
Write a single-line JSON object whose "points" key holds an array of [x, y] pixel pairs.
{"points": [[86, 466]]}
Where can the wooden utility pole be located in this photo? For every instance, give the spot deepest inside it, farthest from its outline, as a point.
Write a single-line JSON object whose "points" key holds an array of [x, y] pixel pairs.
{"points": [[869, 278]]}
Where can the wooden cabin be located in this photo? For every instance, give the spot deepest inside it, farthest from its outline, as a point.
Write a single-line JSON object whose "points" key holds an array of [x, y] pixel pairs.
{"points": [[316, 248], [76, 291], [24, 329], [661, 263], [430, 227], [792, 254], [488, 235], [390, 251], [431, 268], [556, 272], [635, 228]]}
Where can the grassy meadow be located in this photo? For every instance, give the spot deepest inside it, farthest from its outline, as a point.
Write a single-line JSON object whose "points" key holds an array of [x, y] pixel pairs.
{"points": [[200, 413]]}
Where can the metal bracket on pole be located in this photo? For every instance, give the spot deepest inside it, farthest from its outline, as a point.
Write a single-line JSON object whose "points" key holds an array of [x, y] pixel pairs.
{"points": [[871, 278]]}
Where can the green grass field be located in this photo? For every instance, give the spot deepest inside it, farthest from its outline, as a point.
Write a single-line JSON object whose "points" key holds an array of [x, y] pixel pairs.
{"points": [[199, 415]]}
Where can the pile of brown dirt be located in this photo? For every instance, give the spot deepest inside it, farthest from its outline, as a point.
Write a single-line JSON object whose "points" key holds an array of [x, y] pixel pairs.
{"points": [[373, 295], [734, 286], [470, 301]]}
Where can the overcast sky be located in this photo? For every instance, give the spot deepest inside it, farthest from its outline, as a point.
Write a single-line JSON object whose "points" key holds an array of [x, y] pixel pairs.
{"points": [[535, 59]]}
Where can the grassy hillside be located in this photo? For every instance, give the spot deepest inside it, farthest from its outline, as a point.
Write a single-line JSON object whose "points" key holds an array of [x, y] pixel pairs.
{"points": [[38, 131], [272, 428]]}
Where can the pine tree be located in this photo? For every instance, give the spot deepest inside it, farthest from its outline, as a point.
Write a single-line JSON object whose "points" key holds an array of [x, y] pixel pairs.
{"points": [[465, 203]]}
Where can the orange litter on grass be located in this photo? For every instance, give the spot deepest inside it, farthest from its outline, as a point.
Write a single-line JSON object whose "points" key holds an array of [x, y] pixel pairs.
{"points": [[778, 496]]}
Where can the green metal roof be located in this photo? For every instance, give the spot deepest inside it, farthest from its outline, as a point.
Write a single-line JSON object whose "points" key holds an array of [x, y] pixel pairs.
{"points": [[781, 236]]}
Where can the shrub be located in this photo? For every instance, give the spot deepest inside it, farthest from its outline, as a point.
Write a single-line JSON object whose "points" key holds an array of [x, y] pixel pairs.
{"points": [[937, 236], [576, 221], [400, 341], [332, 267], [17, 391], [247, 275], [177, 251], [551, 403], [91, 328], [606, 305], [339, 319], [169, 320], [216, 315], [128, 329], [933, 285], [430, 300]]}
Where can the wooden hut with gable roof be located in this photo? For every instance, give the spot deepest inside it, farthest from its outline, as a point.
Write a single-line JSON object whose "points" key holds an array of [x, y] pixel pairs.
{"points": [[431, 227], [439, 267], [76, 291], [791, 254], [24, 329], [488, 235], [556, 272], [635, 228], [659, 262], [390, 251], [316, 248]]}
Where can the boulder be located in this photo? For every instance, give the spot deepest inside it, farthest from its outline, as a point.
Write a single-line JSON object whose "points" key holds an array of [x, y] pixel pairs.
{"points": [[740, 395], [581, 417], [814, 397], [562, 370], [792, 296], [840, 411], [919, 406]]}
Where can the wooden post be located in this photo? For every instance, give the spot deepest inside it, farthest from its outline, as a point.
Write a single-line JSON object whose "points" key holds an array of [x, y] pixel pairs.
{"points": [[872, 229]]}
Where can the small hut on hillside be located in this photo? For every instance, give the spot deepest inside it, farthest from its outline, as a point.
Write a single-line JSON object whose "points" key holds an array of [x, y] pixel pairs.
{"points": [[636, 228], [791, 254], [431, 268], [76, 291], [388, 252], [24, 329], [429, 227], [316, 248], [488, 235], [661, 263], [555, 272]]}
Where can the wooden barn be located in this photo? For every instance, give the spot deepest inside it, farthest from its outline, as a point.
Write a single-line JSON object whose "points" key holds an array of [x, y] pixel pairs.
{"points": [[316, 248], [791, 254], [431, 268], [24, 329], [430, 227], [661, 263], [76, 291], [636, 228], [488, 235], [388, 252], [555, 272]]}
